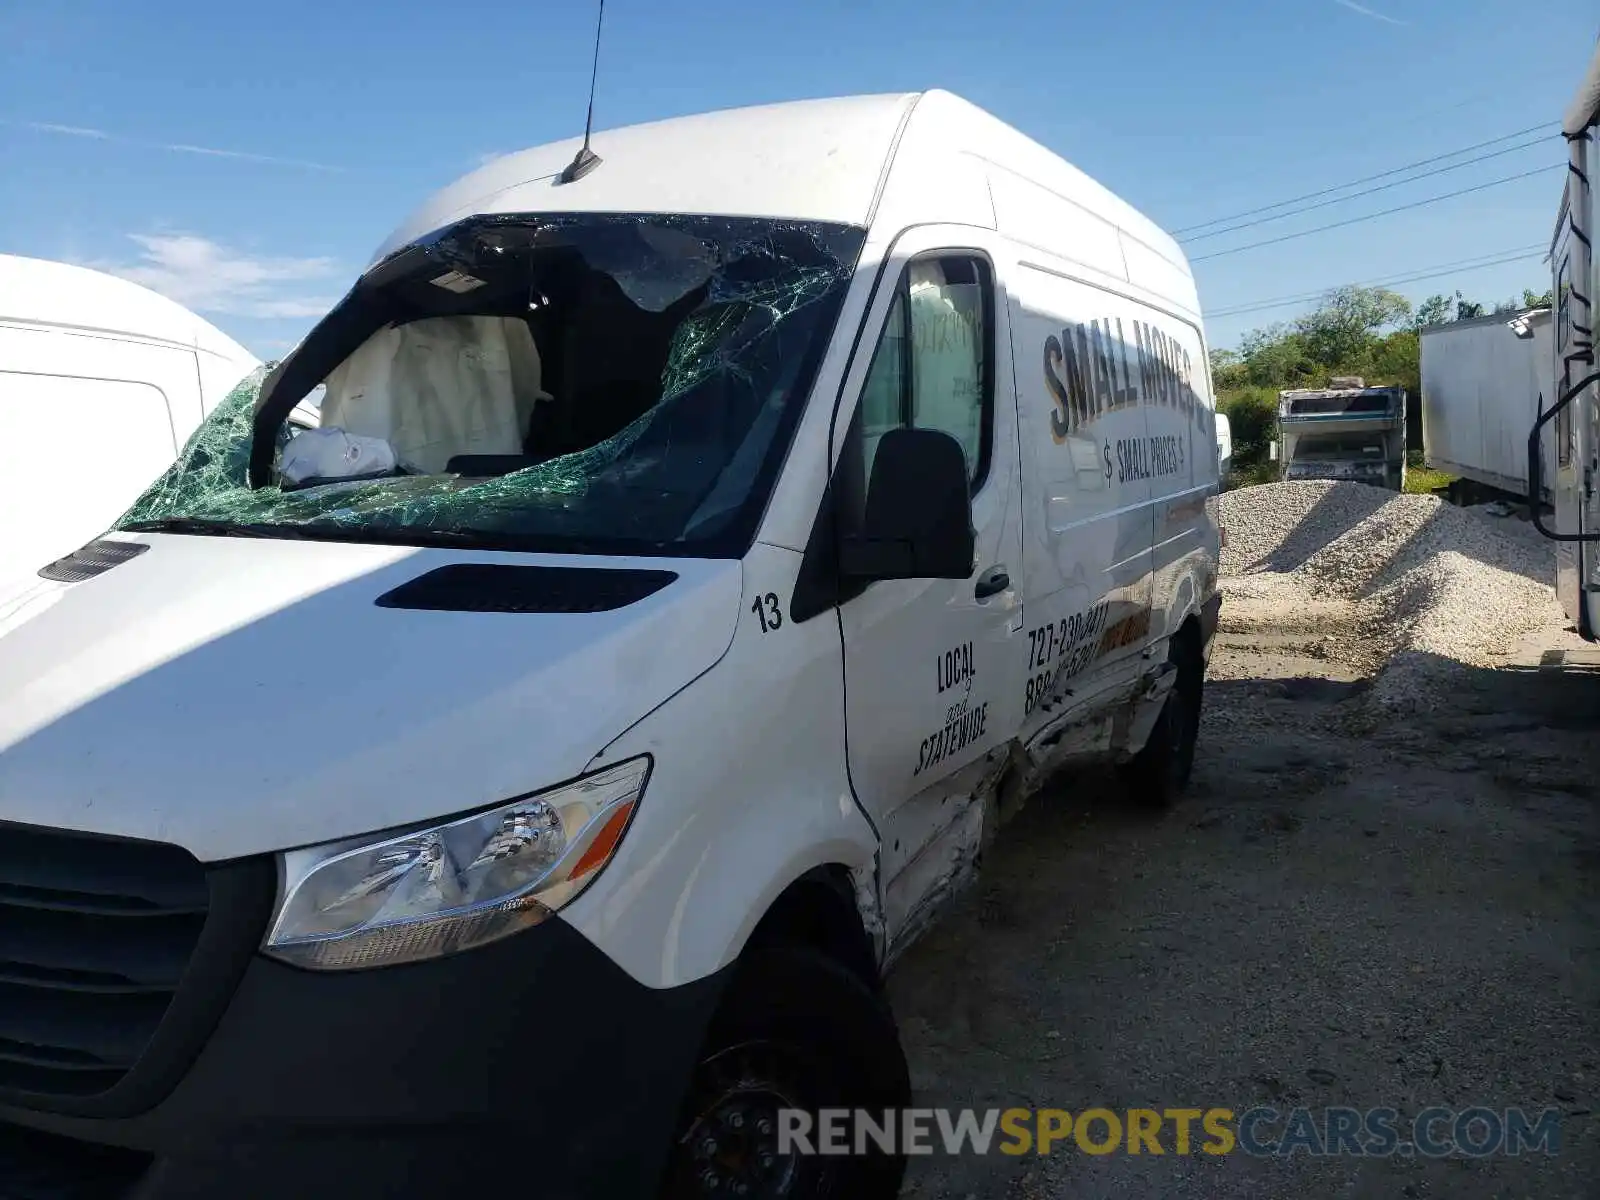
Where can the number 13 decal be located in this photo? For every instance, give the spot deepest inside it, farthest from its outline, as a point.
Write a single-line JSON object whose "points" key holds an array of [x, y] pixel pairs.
{"points": [[768, 612]]}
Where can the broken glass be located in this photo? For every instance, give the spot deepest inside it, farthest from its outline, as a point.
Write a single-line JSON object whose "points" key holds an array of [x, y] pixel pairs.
{"points": [[688, 474], [654, 265]]}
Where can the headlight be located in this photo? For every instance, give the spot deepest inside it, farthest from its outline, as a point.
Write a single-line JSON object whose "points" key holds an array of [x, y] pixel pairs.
{"points": [[452, 887]]}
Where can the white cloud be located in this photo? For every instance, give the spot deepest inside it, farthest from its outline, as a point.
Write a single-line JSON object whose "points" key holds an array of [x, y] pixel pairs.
{"points": [[101, 135], [311, 306], [1367, 12], [208, 277]]}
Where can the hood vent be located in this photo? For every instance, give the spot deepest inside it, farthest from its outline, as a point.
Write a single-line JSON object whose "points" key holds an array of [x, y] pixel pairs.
{"points": [[490, 587], [98, 557]]}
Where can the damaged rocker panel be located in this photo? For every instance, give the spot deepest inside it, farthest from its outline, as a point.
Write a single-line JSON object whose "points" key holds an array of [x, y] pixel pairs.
{"points": [[933, 844]]}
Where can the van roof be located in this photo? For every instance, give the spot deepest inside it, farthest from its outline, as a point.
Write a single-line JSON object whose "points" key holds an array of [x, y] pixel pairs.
{"points": [[822, 160], [39, 291]]}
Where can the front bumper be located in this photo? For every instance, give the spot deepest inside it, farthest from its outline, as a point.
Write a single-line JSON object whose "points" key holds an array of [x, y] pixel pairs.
{"points": [[535, 1059]]}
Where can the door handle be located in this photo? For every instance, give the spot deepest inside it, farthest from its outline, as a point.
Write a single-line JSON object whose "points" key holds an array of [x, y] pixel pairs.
{"points": [[991, 582]]}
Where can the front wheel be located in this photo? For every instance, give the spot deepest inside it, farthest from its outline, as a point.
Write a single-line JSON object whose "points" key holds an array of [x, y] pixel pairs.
{"points": [[1159, 773], [796, 1033]]}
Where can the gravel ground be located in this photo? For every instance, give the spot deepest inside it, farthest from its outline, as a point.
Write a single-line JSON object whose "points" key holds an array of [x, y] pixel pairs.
{"points": [[1381, 892], [1416, 586]]}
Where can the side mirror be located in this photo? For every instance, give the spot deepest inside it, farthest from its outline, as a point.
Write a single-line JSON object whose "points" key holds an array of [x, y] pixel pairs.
{"points": [[1272, 452], [918, 518]]}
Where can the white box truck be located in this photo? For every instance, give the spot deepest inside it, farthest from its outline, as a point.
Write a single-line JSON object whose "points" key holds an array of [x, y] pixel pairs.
{"points": [[1346, 430], [1571, 421], [101, 383], [1484, 382], [775, 502]]}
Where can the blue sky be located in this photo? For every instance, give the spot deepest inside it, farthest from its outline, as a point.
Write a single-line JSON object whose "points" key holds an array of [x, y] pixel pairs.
{"points": [[247, 160]]}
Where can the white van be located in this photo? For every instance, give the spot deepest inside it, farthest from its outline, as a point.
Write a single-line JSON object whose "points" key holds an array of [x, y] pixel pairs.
{"points": [[101, 383], [767, 512]]}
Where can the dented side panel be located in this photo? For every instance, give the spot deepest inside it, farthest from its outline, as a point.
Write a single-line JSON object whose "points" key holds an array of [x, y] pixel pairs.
{"points": [[933, 849]]}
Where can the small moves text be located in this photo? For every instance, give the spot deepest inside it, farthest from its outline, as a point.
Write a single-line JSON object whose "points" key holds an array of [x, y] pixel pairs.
{"points": [[1099, 366]]}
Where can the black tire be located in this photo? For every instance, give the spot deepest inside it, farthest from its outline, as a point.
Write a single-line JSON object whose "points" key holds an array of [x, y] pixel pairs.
{"points": [[795, 1030], [1159, 774]]}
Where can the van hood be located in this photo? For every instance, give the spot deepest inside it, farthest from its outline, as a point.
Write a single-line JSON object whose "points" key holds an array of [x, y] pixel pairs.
{"points": [[236, 696]]}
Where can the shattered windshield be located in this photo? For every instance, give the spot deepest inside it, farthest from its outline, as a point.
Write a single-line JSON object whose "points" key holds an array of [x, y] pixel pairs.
{"points": [[591, 383]]}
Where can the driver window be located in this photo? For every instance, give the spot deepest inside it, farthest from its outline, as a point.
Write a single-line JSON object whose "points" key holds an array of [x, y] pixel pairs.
{"points": [[931, 368], [885, 399]]}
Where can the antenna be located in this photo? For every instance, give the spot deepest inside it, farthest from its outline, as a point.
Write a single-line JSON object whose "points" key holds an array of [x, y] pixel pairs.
{"points": [[586, 159]]}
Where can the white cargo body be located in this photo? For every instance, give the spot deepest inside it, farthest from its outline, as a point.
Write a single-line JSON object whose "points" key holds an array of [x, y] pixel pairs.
{"points": [[101, 383], [1484, 382]]}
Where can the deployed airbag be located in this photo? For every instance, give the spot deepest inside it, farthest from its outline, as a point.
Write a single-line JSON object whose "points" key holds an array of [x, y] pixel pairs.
{"points": [[437, 388], [322, 455]]}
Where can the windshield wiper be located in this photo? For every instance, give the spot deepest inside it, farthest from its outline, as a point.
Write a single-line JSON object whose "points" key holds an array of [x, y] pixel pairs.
{"points": [[209, 528]]}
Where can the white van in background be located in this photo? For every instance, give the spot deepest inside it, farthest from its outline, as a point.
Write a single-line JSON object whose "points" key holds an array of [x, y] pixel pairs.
{"points": [[731, 535], [101, 383]]}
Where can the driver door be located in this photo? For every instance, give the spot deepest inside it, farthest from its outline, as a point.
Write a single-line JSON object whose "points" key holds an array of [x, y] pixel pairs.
{"points": [[933, 668]]}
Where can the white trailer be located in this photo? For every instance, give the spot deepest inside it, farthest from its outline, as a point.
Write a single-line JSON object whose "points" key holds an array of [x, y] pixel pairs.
{"points": [[1484, 383]]}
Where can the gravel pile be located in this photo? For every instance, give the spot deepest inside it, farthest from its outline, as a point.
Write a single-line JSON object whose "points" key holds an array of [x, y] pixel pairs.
{"points": [[1431, 587]]}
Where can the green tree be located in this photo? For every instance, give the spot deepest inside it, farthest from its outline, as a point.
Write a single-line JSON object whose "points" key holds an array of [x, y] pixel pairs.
{"points": [[1436, 310], [1397, 359], [1532, 299], [1467, 309], [1252, 414], [1275, 357], [1340, 332], [1227, 369]]}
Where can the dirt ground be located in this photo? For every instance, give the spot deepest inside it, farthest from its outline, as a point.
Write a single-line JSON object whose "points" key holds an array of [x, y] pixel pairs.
{"points": [[1344, 911]]}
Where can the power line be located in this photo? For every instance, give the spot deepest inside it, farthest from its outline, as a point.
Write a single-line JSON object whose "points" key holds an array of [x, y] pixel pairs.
{"points": [[1288, 237], [1418, 273], [1367, 191], [1545, 125], [1501, 258]]}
